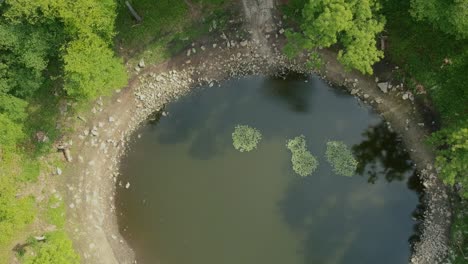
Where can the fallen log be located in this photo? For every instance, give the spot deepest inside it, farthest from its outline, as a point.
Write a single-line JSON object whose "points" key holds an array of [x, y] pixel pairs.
{"points": [[66, 152], [134, 13]]}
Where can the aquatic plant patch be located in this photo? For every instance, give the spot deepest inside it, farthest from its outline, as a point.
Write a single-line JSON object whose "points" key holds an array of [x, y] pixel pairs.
{"points": [[340, 158], [303, 162], [245, 138]]}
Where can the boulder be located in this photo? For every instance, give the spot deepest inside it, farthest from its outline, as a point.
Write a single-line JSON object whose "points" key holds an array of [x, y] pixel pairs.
{"points": [[383, 86]]}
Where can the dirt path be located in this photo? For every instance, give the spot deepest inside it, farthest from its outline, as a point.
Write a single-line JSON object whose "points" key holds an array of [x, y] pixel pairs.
{"points": [[101, 141], [259, 18]]}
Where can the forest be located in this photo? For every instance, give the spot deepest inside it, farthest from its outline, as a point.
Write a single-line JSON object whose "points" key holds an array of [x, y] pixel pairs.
{"points": [[60, 54]]}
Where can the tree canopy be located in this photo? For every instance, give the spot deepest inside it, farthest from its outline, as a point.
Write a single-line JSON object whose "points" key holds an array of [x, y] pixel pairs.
{"points": [[353, 24], [448, 16]]}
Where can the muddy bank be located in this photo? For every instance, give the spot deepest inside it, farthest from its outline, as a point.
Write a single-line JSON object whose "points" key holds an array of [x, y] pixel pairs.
{"points": [[97, 147]]}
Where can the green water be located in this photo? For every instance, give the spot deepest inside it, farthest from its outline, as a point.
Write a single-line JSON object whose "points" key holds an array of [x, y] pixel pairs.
{"points": [[194, 199]]}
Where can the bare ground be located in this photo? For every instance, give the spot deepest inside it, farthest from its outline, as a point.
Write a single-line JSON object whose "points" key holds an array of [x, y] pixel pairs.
{"points": [[98, 145]]}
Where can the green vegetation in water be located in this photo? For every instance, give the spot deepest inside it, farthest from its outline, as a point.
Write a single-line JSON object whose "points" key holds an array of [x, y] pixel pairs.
{"points": [[340, 158], [245, 138], [303, 162]]}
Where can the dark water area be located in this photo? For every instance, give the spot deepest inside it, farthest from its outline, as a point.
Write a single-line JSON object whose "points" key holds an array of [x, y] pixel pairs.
{"points": [[194, 199]]}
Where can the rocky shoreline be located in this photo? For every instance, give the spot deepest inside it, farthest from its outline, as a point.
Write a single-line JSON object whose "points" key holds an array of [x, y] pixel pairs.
{"points": [[102, 141]]}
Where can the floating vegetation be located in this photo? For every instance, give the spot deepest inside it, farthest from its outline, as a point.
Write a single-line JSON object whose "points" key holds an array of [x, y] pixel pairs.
{"points": [[304, 163], [245, 138], [341, 158]]}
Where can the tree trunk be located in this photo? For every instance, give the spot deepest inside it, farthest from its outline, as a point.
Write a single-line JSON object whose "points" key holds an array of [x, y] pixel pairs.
{"points": [[134, 13]]}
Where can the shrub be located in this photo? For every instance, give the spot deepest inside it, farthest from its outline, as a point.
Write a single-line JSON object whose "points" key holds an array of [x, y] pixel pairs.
{"points": [[341, 158], [57, 249], [452, 155], [304, 163], [245, 138]]}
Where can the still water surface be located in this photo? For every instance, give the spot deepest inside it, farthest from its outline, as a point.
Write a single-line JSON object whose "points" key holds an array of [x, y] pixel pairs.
{"points": [[194, 199]]}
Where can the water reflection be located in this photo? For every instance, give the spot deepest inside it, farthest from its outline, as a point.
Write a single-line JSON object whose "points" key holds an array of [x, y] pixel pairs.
{"points": [[194, 199], [382, 154], [296, 97]]}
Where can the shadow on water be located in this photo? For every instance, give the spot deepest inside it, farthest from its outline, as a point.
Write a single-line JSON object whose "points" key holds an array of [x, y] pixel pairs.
{"points": [[296, 97], [382, 154]]}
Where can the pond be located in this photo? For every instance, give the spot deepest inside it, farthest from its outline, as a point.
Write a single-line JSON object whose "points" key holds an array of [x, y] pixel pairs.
{"points": [[194, 199]]}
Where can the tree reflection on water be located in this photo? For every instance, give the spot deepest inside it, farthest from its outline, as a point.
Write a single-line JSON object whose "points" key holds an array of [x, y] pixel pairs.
{"points": [[382, 153]]}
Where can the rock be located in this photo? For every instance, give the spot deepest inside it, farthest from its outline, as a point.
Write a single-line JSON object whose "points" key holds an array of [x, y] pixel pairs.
{"points": [[141, 64], [111, 119], [405, 96], [94, 132], [214, 45], [41, 137], [383, 86], [281, 31], [366, 96], [189, 51], [59, 171], [354, 91], [243, 43], [127, 185], [203, 48]]}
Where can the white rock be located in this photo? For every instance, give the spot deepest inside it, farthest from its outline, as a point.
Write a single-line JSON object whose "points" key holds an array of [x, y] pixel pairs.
{"points": [[127, 185], [59, 171], [141, 64], [383, 86]]}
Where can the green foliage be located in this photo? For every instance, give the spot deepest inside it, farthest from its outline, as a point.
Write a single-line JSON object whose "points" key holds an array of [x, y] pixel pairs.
{"points": [[448, 16], [29, 171], [245, 138], [55, 212], [15, 212], [421, 50], [459, 230], [340, 158], [57, 249], [353, 24], [24, 58], [91, 68], [10, 134], [452, 155], [159, 19], [304, 163]]}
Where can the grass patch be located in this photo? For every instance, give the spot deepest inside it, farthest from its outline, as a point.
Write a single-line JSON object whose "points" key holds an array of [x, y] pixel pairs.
{"points": [[56, 249], [55, 212], [167, 27]]}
